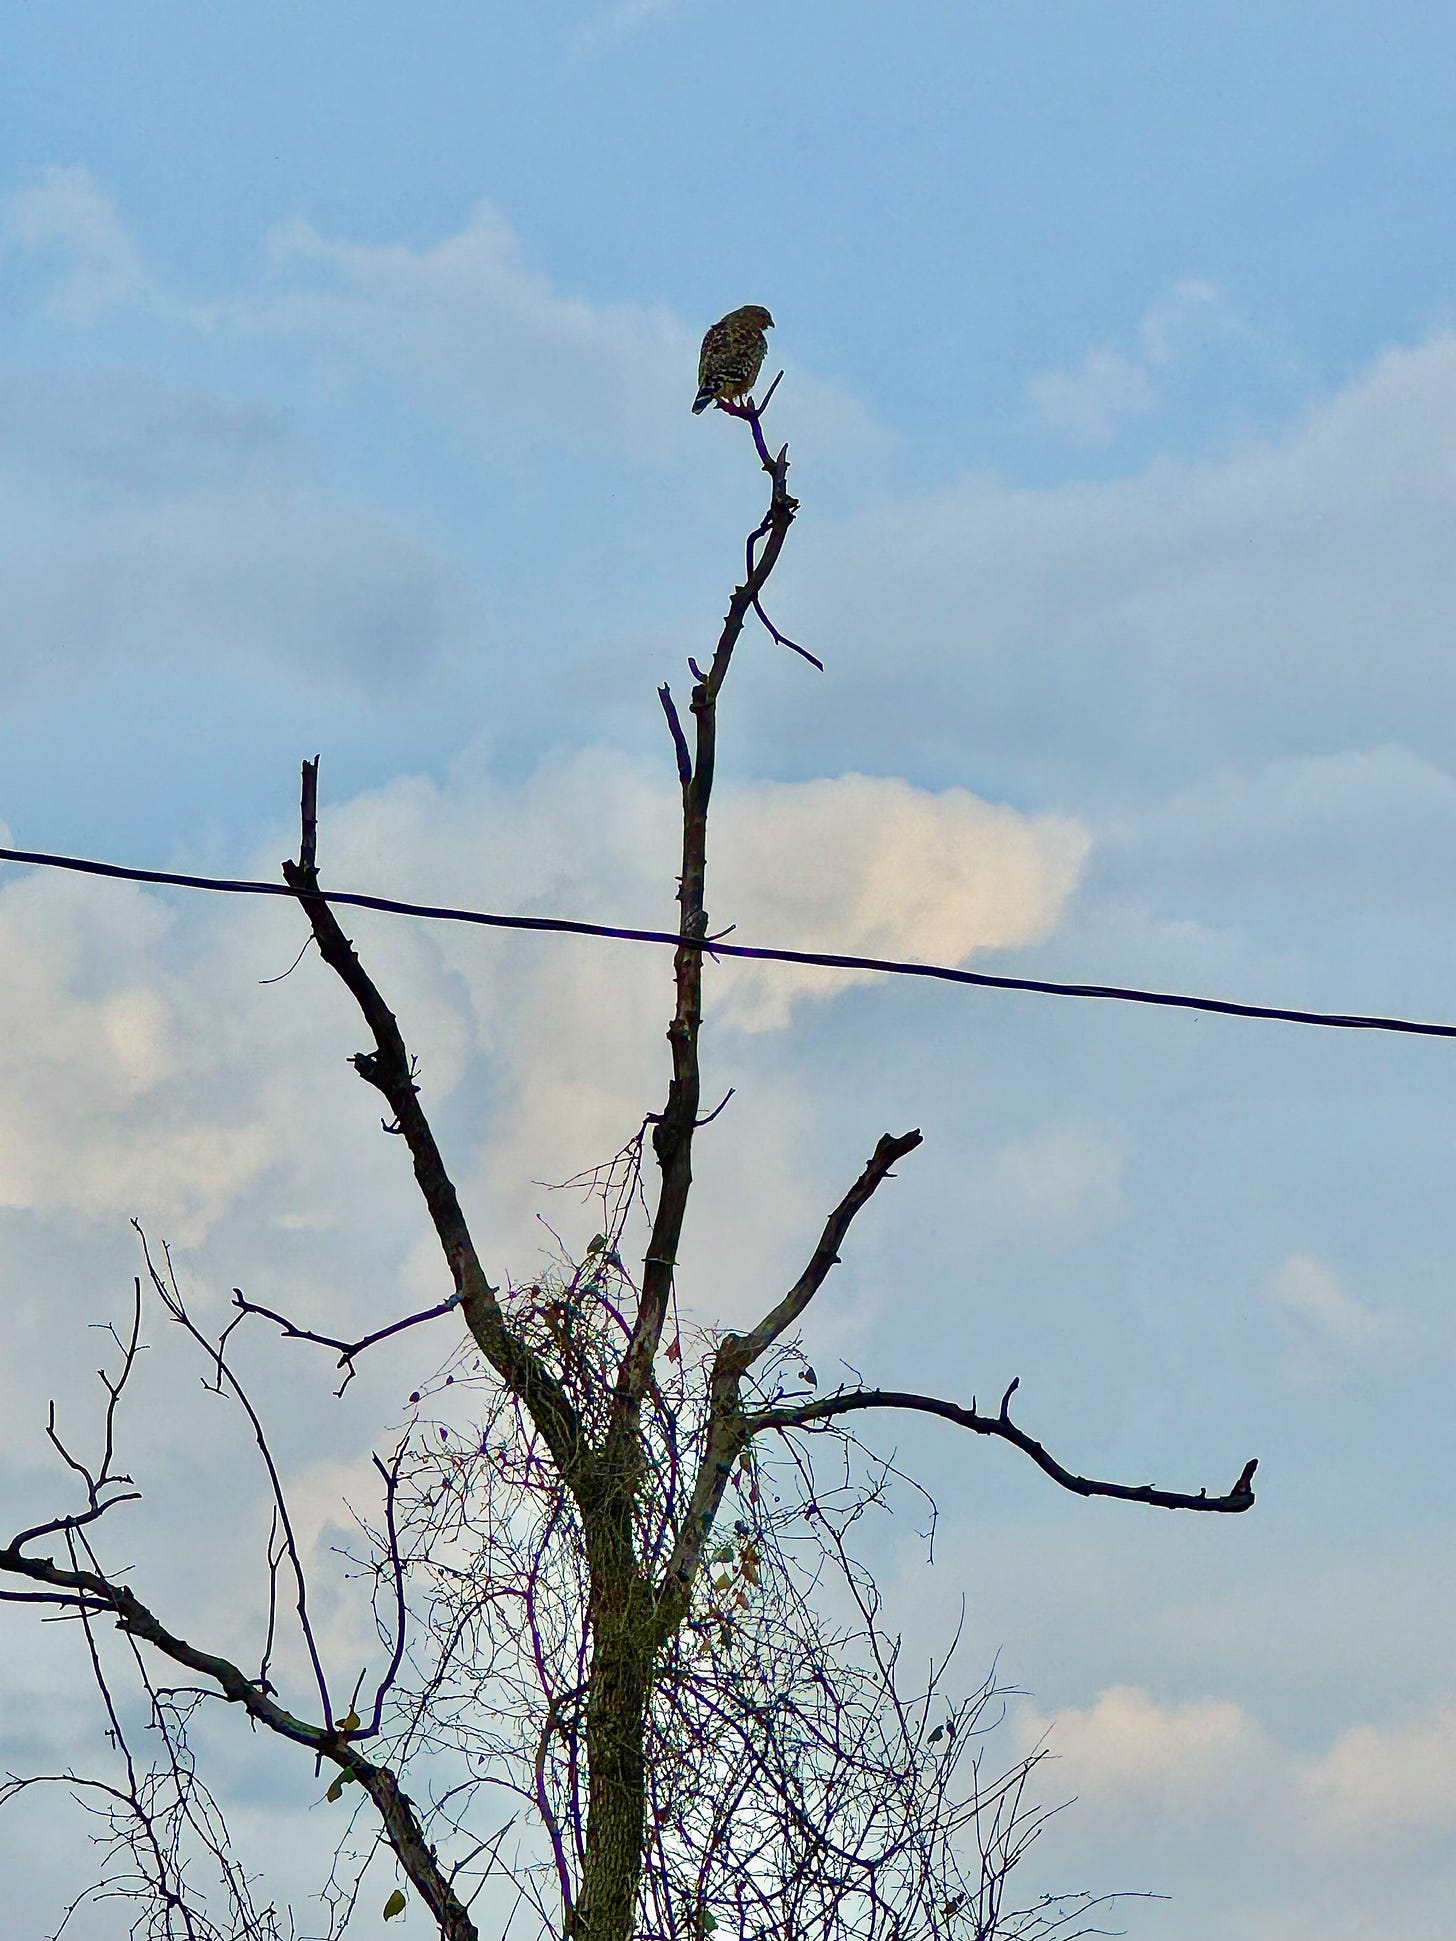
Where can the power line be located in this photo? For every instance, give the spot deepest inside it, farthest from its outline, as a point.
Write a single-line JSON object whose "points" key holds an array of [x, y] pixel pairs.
{"points": [[760, 953]]}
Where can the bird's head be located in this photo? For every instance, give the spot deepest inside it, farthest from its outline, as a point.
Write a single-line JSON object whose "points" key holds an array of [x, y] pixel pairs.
{"points": [[755, 314]]}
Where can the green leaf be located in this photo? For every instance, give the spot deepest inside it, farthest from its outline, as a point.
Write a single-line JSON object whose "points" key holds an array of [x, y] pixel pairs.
{"points": [[723, 1554], [336, 1791], [394, 1905], [598, 1242]]}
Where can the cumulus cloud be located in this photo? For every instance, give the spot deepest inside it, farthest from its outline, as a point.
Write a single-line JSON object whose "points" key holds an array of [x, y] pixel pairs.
{"points": [[134, 1084], [1090, 405], [467, 319], [573, 1031], [1387, 1782], [1127, 1754], [873, 866], [98, 1116], [1130, 1754], [145, 1071]]}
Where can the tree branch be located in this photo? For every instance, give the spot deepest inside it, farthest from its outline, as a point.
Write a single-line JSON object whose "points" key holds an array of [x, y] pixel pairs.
{"points": [[887, 1152], [806, 1415], [729, 1430], [70, 1587], [679, 739], [672, 1136], [347, 1349], [390, 1070]]}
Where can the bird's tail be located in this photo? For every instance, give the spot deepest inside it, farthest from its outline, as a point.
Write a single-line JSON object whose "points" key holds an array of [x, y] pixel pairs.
{"points": [[704, 398]]}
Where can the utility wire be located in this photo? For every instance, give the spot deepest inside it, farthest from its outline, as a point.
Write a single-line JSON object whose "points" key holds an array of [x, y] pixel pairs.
{"points": [[761, 953]]}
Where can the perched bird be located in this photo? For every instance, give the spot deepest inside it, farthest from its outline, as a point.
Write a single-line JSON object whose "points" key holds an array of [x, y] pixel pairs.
{"points": [[732, 356]]}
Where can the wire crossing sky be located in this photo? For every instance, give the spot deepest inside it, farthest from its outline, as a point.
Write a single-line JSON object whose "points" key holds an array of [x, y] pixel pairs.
{"points": [[718, 946]]}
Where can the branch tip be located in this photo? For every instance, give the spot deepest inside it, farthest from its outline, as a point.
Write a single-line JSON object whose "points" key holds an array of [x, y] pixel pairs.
{"points": [[679, 739], [308, 818]]}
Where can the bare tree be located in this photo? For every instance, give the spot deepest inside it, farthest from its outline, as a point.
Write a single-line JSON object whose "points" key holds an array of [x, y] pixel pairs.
{"points": [[626, 1640]]}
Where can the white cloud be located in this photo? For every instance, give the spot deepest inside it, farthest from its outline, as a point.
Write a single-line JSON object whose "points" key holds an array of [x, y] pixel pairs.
{"points": [[873, 866], [1308, 1288], [1129, 1755], [144, 1071], [99, 1118], [1090, 404], [469, 322], [67, 215], [573, 1029], [1189, 314], [490, 344], [1293, 598], [1386, 1782]]}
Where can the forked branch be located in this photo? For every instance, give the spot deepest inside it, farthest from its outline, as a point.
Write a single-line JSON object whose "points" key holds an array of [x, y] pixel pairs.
{"points": [[729, 1429]]}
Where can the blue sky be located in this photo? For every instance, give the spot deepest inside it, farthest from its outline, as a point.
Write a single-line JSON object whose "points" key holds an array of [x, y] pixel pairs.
{"points": [[345, 359]]}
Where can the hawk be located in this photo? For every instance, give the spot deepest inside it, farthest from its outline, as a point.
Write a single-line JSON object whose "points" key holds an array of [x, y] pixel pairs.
{"points": [[732, 356]]}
